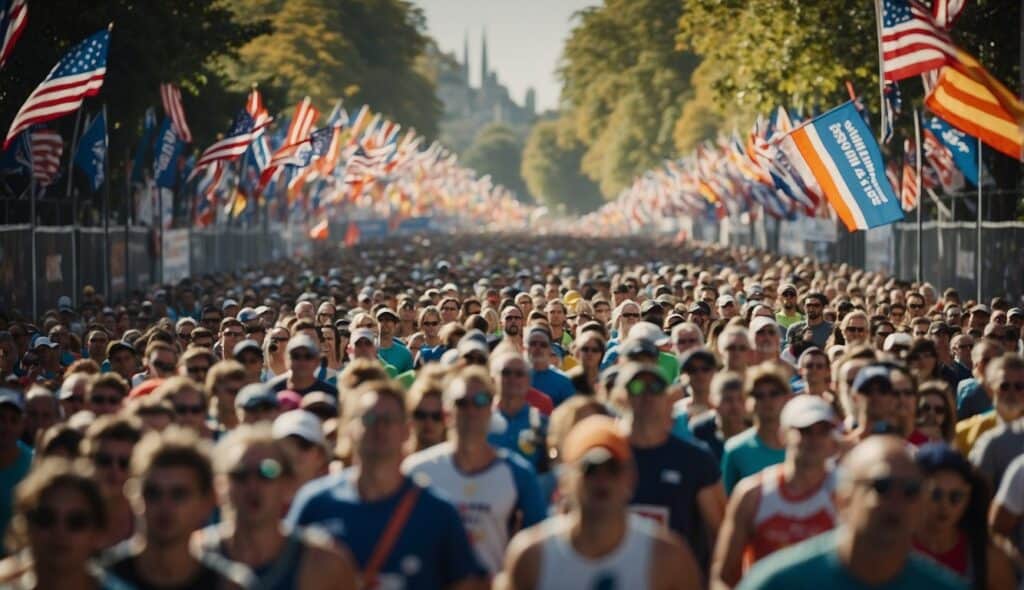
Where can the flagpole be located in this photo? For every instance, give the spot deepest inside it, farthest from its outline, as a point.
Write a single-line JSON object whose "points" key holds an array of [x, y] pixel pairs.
{"points": [[32, 229], [881, 71], [106, 216], [74, 208], [920, 201], [977, 227]]}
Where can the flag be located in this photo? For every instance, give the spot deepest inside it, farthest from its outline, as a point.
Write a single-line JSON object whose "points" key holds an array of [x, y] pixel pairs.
{"points": [[298, 134], [139, 161], [972, 100], [16, 160], [47, 147], [13, 18], [351, 234], [91, 154], [962, 147], [893, 107], [171, 97], [234, 144], [941, 161], [946, 11], [320, 231], [911, 41], [77, 75], [165, 161], [909, 191], [837, 153]]}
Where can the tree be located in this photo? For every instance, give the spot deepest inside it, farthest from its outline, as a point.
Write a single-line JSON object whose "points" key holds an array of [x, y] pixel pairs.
{"points": [[499, 152], [551, 168], [364, 51], [624, 86]]}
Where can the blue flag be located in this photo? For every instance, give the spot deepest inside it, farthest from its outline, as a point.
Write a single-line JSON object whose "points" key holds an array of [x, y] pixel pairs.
{"points": [[17, 160], [142, 150], [963, 146], [91, 155], [165, 160]]}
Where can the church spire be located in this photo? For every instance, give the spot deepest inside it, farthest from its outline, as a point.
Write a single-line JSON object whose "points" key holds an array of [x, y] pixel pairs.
{"points": [[484, 72]]}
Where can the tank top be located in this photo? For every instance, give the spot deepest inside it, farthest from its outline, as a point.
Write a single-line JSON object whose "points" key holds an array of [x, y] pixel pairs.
{"points": [[782, 519], [957, 559], [628, 567], [280, 574]]}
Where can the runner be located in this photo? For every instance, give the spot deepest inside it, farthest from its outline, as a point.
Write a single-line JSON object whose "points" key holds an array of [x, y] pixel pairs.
{"points": [[598, 543]]}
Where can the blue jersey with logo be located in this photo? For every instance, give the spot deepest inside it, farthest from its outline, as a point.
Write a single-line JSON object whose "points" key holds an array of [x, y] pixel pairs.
{"points": [[493, 502], [431, 552], [554, 383], [523, 433], [669, 478]]}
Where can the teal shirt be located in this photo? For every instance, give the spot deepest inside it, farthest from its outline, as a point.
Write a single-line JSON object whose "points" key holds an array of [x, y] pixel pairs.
{"points": [[10, 477], [396, 355], [746, 454], [814, 564]]}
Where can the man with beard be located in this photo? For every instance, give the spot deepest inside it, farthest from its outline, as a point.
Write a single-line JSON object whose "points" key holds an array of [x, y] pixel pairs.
{"points": [[512, 327], [814, 306], [788, 313]]}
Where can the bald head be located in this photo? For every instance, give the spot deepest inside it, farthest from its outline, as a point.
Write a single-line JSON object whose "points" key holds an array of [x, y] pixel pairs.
{"points": [[878, 495]]}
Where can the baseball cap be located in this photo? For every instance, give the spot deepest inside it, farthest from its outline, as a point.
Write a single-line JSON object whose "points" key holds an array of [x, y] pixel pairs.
{"points": [[804, 410], [302, 341], [760, 322], [247, 344], [696, 354], [633, 370], [633, 347], [228, 303], [118, 345], [363, 334], [254, 395], [897, 339], [262, 310], [596, 439], [649, 306], [650, 332], [470, 345], [724, 300], [699, 307], [64, 303], [386, 311], [869, 374], [787, 287], [1014, 312], [12, 398], [940, 327], [246, 314], [939, 456], [319, 397], [300, 423], [43, 341], [981, 308]]}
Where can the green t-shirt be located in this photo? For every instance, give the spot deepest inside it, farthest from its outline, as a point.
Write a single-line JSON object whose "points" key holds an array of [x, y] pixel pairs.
{"points": [[788, 320], [813, 564], [746, 454], [669, 365]]}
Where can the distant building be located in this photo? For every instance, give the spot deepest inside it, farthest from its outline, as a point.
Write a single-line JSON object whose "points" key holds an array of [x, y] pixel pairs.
{"points": [[467, 110]]}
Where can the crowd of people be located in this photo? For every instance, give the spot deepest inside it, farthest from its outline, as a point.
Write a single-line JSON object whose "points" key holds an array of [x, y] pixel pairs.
{"points": [[516, 412]]}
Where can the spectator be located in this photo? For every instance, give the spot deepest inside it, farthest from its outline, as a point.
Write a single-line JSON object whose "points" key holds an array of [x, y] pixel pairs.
{"points": [[1004, 382], [301, 433], [303, 358], [105, 394], [15, 456], [767, 391], [108, 445], [935, 415]]}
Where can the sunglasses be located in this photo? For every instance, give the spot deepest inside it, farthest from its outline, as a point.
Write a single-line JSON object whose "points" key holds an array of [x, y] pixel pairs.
{"points": [[592, 349], [476, 400], [513, 373], [107, 460], [185, 409], [430, 324], [855, 330], [424, 415], [915, 306], [638, 387], [931, 409], [952, 497], [162, 366], [197, 370], [816, 366], [909, 488], [631, 315], [375, 419], [185, 337], [102, 400], [1007, 386], [152, 493], [266, 470], [47, 518]]}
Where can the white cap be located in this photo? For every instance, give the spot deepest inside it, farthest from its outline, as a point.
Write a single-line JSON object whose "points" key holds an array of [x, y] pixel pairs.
{"points": [[44, 341], [361, 333], [649, 332], [724, 300], [759, 322], [805, 410], [300, 423], [897, 339]]}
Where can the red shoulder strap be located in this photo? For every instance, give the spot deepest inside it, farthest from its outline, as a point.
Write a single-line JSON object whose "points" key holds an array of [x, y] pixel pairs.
{"points": [[390, 536]]}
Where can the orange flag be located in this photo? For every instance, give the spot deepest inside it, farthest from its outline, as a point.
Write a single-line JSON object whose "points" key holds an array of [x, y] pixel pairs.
{"points": [[352, 234], [320, 231]]}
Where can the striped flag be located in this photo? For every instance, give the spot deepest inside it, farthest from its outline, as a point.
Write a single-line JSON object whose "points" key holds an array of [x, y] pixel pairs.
{"points": [[969, 98], [298, 134], [837, 153], [909, 191], [912, 43], [234, 144], [77, 75], [13, 18], [941, 161], [320, 231], [946, 11], [171, 97], [46, 146]]}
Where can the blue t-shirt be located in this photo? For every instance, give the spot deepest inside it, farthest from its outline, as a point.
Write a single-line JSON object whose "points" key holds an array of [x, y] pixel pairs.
{"points": [[705, 429], [971, 399], [554, 383], [488, 500], [524, 433], [813, 564], [10, 477], [432, 551], [669, 479], [746, 454], [432, 354], [396, 355]]}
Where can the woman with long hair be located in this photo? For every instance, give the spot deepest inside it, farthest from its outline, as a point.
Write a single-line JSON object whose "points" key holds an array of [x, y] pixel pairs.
{"points": [[923, 359], [953, 529], [936, 415], [624, 317], [329, 342], [588, 350]]}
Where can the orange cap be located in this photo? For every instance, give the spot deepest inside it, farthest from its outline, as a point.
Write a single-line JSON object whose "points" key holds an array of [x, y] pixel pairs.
{"points": [[596, 433]]}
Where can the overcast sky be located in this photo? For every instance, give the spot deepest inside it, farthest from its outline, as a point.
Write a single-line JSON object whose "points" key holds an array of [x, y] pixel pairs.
{"points": [[524, 39]]}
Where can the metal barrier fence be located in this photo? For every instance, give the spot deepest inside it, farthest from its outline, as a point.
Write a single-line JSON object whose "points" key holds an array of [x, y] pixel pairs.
{"points": [[123, 259], [948, 249]]}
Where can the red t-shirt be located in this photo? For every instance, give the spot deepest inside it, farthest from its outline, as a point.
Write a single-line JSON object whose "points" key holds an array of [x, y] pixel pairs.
{"points": [[956, 559]]}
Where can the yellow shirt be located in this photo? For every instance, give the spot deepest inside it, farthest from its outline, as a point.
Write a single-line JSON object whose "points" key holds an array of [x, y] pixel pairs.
{"points": [[968, 431]]}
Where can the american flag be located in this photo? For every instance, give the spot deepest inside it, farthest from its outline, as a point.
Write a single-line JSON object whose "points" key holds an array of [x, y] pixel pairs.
{"points": [[171, 97], [13, 18], [941, 160], [912, 43], [947, 11], [909, 191], [298, 134], [46, 147], [77, 75], [234, 144]]}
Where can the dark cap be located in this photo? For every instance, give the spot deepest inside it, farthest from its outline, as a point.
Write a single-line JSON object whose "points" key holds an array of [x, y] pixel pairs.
{"points": [[871, 374], [254, 395], [633, 347], [247, 344], [939, 456], [649, 306], [940, 327], [981, 308], [699, 307], [696, 354]]}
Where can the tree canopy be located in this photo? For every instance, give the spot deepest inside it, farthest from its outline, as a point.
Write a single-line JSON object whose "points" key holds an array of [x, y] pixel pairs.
{"points": [[498, 151], [551, 168]]}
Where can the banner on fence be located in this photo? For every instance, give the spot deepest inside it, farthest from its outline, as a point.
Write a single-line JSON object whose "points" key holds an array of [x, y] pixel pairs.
{"points": [[175, 255], [816, 229], [965, 264]]}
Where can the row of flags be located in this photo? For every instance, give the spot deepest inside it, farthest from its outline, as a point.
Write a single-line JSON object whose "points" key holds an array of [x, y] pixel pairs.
{"points": [[830, 165]]}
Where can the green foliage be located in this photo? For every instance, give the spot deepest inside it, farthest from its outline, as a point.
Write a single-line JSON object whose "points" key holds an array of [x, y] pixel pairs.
{"points": [[624, 86], [551, 168], [499, 152], [365, 51]]}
